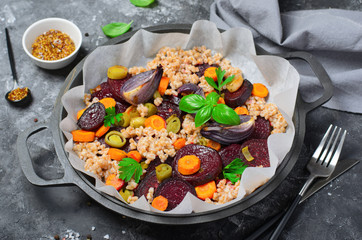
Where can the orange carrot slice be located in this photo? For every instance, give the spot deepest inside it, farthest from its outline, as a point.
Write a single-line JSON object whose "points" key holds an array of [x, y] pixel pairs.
{"points": [[206, 190], [108, 102], [102, 130], [83, 136], [160, 203], [134, 155], [80, 112], [113, 180], [179, 143], [241, 111], [188, 164], [221, 100], [163, 85], [260, 90], [156, 122], [117, 154], [214, 145], [210, 72]]}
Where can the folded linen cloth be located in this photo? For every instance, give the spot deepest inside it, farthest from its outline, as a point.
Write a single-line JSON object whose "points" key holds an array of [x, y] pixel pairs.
{"points": [[333, 36]]}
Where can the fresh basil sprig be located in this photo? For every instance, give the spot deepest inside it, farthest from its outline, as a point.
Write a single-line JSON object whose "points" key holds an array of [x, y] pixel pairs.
{"points": [[142, 3], [207, 108], [128, 168], [111, 116], [115, 29], [220, 76], [234, 170]]}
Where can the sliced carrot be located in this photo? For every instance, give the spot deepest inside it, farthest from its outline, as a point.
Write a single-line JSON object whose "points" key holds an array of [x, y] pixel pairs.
{"points": [[108, 102], [211, 72], [188, 164], [117, 154], [163, 85], [206, 190], [179, 143], [160, 203], [102, 130], [80, 113], [260, 90], [135, 155], [221, 100], [83, 136], [241, 111], [113, 180], [156, 122], [214, 145]]}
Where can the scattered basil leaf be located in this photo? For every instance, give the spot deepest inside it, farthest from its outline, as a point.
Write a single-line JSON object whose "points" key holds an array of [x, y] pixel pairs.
{"points": [[191, 103], [203, 115], [225, 115], [142, 3], [115, 29], [234, 170], [229, 79], [111, 115], [129, 167], [212, 83], [212, 98]]}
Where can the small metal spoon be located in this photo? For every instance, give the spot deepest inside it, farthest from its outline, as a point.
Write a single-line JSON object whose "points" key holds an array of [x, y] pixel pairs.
{"points": [[27, 99]]}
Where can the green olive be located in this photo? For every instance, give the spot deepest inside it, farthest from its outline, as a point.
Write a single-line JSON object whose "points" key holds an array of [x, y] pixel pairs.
{"points": [[202, 141], [173, 124], [123, 122], [115, 139], [132, 112], [156, 95], [125, 193], [163, 171], [152, 109], [144, 165], [117, 72], [138, 122]]}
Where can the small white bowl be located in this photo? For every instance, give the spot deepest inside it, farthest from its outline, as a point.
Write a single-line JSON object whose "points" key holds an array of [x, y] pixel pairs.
{"points": [[44, 25]]}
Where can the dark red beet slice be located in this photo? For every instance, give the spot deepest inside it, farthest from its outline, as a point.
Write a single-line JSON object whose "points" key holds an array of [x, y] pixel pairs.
{"points": [[121, 107], [103, 92], [93, 117], [203, 67], [115, 87], [167, 109], [239, 97], [258, 149], [229, 153], [174, 189], [262, 129], [211, 165], [149, 181]]}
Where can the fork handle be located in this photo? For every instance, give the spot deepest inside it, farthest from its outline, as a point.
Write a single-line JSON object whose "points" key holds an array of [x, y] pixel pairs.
{"points": [[291, 209]]}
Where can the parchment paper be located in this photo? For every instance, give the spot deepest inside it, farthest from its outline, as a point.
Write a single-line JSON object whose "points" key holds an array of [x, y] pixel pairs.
{"points": [[236, 45]]}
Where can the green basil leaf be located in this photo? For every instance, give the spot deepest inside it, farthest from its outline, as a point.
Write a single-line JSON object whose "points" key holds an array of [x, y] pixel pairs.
{"points": [[234, 170], [229, 79], [212, 98], [211, 82], [115, 29], [220, 75], [191, 103], [203, 115], [225, 115], [142, 3]]}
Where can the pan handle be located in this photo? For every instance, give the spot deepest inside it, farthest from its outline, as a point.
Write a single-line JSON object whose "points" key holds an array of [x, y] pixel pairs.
{"points": [[26, 161], [320, 73]]}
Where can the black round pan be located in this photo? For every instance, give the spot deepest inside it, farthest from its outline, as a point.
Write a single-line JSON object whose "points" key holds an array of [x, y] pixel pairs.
{"points": [[73, 177]]}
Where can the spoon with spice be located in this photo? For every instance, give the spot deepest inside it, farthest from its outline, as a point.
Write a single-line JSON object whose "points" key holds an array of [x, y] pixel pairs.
{"points": [[18, 96]]}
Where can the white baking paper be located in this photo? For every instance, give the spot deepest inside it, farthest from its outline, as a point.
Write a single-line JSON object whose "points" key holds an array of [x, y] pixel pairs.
{"points": [[236, 45]]}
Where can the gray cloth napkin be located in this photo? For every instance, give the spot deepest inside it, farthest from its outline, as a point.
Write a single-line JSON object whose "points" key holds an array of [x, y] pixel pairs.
{"points": [[333, 36]]}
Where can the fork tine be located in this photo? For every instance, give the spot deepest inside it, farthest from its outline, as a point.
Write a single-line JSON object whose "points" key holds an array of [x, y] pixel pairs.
{"points": [[326, 148], [335, 158], [319, 149], [331, 150]]}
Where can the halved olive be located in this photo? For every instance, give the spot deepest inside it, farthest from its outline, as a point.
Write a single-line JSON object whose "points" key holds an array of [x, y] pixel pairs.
{"points": [[202, 141], [132, 112], [125, 193], [163, 171], [156, 95], [152, 109], [115, 139], [137, 122], [173, 124], [144, 165], [124, 122], [117, 72]]}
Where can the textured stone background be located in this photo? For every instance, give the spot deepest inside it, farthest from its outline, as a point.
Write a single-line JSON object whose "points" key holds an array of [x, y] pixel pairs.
{"points": [[31, 212]]}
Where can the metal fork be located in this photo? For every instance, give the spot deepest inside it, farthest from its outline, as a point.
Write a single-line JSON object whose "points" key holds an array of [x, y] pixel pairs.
{"points": [[322, 164]]}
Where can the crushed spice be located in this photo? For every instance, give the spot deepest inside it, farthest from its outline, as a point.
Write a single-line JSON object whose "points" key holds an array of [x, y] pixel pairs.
{"points": [[18, 94]]}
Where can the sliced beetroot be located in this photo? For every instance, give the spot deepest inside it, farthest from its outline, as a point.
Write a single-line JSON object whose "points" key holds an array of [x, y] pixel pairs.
{"points": [[258, 149], [173, 99], [229, 153], [149, 181], [203, 67], [167, 109], [174, 189], [239, 97], [102, 91], [115, 87], [262, 129], [211, 164], [121, 107], [93, 117]]}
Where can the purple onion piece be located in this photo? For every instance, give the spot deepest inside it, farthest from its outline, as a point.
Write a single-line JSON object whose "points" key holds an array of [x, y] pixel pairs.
{"points": [[190, 88], [228, 134], [140, 88]]}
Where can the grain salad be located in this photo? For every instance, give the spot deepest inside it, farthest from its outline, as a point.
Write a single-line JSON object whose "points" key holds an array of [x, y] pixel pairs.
{"points": [[188, 121]]}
